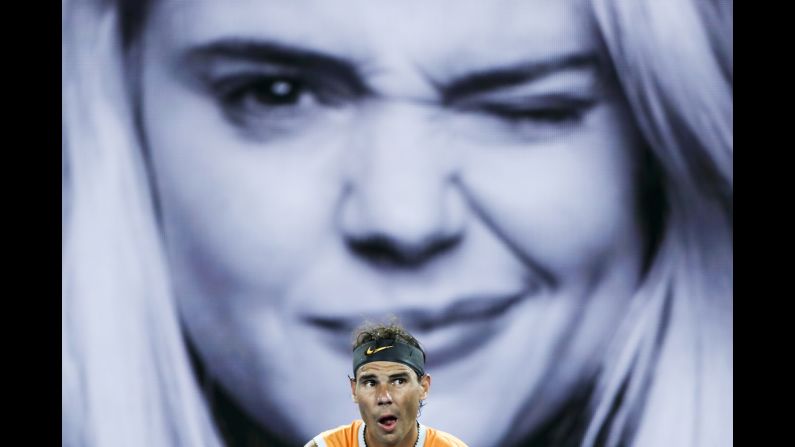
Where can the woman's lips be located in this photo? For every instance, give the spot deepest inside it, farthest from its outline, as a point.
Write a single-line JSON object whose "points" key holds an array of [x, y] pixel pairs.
{"points": [[446, 333]]}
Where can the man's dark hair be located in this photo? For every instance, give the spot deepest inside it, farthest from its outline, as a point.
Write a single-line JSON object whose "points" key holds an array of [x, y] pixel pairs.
{"points": [[391, 330]]}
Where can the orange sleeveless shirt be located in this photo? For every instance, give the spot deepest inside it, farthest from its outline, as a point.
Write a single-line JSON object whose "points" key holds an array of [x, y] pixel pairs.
{"points": [[353, 436]]}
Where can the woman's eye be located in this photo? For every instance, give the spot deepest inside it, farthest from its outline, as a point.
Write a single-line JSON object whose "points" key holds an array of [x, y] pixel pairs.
{"points": [[275, 92], [532, 114], [270, 103], [264, 92], [552, 115]]}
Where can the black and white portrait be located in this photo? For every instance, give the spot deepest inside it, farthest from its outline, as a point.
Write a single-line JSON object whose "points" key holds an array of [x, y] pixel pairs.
{"points": [[540, 190]]}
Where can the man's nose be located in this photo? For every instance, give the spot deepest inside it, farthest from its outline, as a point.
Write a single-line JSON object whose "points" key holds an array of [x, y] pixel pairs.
{"points": [[382, 395], [403, 206]]}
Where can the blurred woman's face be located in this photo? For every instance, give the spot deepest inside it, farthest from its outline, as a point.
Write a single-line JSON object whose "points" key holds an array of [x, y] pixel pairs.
{"points": [[466, 166]]}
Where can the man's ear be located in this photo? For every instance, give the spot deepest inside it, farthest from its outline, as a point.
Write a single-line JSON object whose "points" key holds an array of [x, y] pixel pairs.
{"points": [[425, 383], [353, 390]]}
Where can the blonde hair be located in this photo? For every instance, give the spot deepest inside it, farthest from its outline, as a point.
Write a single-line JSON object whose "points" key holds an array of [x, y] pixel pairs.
{"points": [[126, 376], [669, 378]]}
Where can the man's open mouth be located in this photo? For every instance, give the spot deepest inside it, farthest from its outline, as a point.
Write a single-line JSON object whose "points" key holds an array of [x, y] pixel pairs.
{"points": [[388, 423]]}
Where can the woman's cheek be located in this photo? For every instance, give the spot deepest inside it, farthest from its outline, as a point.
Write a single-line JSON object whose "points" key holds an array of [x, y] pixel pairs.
{"points": [[560, 204]]}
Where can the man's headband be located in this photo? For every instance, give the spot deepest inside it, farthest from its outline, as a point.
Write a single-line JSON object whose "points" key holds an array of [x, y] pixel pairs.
{"points": [[389, 350]]}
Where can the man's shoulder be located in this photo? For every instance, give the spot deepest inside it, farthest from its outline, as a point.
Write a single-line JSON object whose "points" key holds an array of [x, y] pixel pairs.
{"points": [[352, 427], [344, 435], [438, 438]]}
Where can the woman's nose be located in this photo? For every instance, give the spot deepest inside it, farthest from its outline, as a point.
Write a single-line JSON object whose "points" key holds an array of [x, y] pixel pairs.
{"points": [[402, 205]]}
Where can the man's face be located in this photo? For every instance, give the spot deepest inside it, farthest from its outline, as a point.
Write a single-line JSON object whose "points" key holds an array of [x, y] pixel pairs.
{"points": [[388, 395], [464, 166]]}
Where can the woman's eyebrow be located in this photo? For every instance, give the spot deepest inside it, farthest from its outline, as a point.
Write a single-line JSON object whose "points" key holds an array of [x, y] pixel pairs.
{"points": [[273, 53], [501, 77]]}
